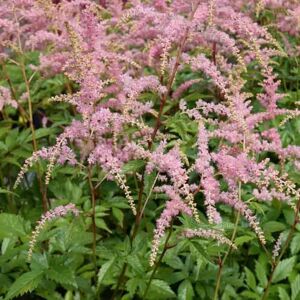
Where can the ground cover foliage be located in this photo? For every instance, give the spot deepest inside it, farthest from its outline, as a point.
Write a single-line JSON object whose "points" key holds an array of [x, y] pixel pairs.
{"points": [[149, 149]]}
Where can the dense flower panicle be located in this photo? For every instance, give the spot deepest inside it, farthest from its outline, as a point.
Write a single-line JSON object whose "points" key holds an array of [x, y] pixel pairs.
{"points": [[270, 98], [209, 184], [288, 18], [277, 247], [209, 234], [183, 87], [173, 208], [202, 63], [239, 168], [265, 194], [169, 163], [124, 62], [6, 99], [231, 198], [59, 211], [29, 162]]}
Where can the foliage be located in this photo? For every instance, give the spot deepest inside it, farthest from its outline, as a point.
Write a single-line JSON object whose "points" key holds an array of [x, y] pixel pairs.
{"points": [[170, 129]]}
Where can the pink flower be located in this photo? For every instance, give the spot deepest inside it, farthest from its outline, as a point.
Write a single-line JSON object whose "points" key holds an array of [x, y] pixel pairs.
{"points": [[5, 98], [57, 212], [173, 208]]}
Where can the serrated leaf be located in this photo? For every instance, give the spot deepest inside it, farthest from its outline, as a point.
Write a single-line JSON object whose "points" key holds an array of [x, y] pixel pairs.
{"points": [[5, 244], [102, 225], [133, 166], [273, 226], [283, 269], [5, 283], [249, 295], [11, 226], [3, 147], [295, 287], [119, 215], [243, 239], [132, 284], [105, 268], [25, 283], [160, 289], [134, 261], [283, 295], [250, 279], [185, 291], [62, 274], [40, 133], [39, 262], [174, 261], [295, 244], [261, 274], [149, 181]]}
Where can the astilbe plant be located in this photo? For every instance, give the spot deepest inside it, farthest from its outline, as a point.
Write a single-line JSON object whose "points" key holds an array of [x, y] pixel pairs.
{"points": [[117, 55]]}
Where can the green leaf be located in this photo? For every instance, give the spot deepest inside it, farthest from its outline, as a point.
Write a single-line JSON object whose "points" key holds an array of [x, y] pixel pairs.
{"points": [[3, 147], [283, 295], [273, 226], [133, 166], [4, 191], [295, 286], [25, 283], [243, 239], [119, 215], [261, 274], [249, 295], [173, 261], [160, 289], [5, 283], [5, 245], [40, 133], [149, 182], [105, 268], [250, 279], [102, 225], [185, 291], [135, 262], [39, 262], [62, 274], [11, 226], [289, 216], [132, 284], [295, 244], [284, 269]]}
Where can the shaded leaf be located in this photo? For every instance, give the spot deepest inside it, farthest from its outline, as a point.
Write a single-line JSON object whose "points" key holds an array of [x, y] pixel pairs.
{"points": [[185, 291], [25, 283], [11, 225], [105, 268], [62, 274], [243, 239], [284, 269], [295, 244], [133, 166], [261, 274], [160, 289], [295, 286], [283, 295], [250, 279], [100, 223]]}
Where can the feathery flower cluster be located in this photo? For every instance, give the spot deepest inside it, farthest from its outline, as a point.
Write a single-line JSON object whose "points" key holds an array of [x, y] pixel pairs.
{"points": [[5, 98], [59, 211], [277, 247], [125, 66], [173, 208], [208, 234]]}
